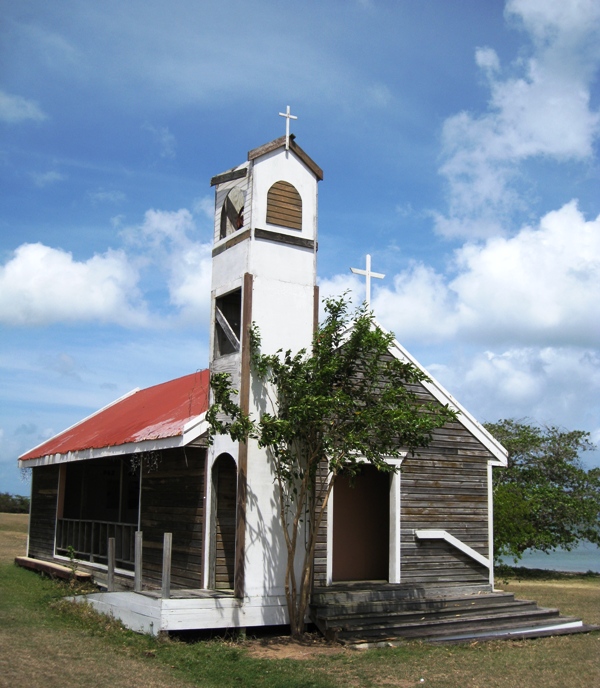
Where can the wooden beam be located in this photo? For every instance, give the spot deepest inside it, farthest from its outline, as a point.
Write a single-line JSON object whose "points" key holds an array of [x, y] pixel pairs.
{"points": [[240, 537], [226, 327], [280, 238], [230, 176], [110, 578], [52, 569], [166, 565]]}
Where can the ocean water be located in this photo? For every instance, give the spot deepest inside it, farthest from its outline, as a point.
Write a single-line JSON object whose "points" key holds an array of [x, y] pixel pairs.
{"points": [[585, 557]]}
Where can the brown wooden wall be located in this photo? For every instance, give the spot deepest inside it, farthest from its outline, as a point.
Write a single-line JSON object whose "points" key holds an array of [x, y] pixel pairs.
{"points": [[225, 490], [44, 495], [173, 502], [443, 487]]}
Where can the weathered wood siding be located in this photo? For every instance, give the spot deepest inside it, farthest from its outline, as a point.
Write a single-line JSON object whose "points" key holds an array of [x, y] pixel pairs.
{"points": [[443, 487], [284, 206], [320, 555], [44, 495], [173, 502]]}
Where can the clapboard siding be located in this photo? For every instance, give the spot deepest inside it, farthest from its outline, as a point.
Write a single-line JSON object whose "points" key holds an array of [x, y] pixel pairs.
{"points": [[320, 553], [443, 487], [173, 502], [284, 206], [223, 189], [44, 495]]}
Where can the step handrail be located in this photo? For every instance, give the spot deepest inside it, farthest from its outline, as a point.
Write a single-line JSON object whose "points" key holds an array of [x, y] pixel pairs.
{"points": [[454, 541]]}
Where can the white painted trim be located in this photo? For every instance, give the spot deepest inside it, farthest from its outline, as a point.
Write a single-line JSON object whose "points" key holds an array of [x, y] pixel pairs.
{"points": [[192, 430], [490, 523], [455, 542], [394, 570], [329, 571], [118, 450], [444, 397]]}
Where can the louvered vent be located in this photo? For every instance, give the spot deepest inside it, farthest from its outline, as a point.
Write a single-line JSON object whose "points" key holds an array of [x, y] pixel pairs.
{"points": [[284, 206]]}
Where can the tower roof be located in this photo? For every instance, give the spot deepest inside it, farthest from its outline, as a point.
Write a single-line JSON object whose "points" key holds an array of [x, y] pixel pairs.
{"points": [[294, 147]]}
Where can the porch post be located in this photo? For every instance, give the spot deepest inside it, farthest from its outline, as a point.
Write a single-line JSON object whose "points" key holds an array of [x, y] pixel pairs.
{"points": [[137, 576], [166, 566], [110, 579]]}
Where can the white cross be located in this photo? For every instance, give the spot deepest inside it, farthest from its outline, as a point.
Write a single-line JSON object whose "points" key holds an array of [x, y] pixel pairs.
{"points": [[288, 117], [368, 274]]}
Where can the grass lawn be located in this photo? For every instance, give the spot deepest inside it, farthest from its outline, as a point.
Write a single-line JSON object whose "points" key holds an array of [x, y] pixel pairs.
{"points": [[47, 642]]}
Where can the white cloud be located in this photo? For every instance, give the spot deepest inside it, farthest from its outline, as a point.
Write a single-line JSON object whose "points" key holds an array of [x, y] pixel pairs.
{"points": [[340, 284], [41, 285], [540, 286], [541, 107], [167, 238], [164, 138], [106, 196], [559, 385], [43, 179], [15, 109]]}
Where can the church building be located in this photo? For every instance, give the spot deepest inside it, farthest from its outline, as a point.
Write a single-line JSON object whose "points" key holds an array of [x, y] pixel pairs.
{"points": [[402, 544]]}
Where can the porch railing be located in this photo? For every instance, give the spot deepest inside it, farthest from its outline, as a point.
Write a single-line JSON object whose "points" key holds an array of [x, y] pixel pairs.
{"points": [[89, 540]]}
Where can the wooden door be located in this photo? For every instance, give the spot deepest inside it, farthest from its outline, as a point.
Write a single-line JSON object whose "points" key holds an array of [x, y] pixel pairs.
{"points": [[361, 527]]}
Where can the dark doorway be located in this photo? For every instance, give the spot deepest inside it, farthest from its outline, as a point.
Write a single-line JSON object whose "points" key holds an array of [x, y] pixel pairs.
{"points": [[224, 475], [361, 526]]}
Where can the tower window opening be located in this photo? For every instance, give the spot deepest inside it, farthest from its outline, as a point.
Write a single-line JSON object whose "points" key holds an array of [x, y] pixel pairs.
{"points": [[232, 213], [228, 317]]}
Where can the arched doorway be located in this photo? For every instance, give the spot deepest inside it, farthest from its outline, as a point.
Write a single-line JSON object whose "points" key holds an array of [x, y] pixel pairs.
{"points": [[361, 526], [224, 484]]}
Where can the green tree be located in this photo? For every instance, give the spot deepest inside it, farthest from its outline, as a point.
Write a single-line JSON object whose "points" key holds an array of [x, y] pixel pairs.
{"points": [[346, 401], [545, 498], [15, 504]]}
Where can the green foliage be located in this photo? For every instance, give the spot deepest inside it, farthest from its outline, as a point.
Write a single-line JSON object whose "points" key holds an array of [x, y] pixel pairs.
{"points": [[13, 504], [346, 402], [545, 498]]}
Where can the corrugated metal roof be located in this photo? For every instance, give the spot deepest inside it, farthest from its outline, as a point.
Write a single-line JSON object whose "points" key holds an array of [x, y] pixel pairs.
{"points": [[154, 413]]}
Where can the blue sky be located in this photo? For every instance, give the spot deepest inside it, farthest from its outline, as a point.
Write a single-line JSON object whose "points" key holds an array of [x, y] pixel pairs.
{"points": [[460, 145]]}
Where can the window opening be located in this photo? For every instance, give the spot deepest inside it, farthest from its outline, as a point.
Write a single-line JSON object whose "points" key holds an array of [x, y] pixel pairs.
{"points": [[232, 213], [228, 315]]}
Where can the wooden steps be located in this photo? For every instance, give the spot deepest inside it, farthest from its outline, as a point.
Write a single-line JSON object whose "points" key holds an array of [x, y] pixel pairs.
{"points": [[381, 615]]}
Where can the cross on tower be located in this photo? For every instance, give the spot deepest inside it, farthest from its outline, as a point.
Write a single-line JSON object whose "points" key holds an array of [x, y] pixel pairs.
{"points": [[368, 274], [288, 117]]}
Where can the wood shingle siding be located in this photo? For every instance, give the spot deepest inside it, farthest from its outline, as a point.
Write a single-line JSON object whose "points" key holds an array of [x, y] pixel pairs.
{"points": [[284, 206], [173, 502], [44, 495]]}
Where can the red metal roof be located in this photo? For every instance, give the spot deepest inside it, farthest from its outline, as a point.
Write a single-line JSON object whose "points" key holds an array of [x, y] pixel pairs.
{"points": [[154, 413]]}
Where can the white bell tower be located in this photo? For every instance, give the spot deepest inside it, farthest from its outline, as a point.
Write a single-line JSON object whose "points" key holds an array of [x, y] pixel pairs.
{"points": [[263, 272]]}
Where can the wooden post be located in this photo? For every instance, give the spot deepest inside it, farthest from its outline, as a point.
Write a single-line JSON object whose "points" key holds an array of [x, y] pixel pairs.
{"points": [[137, 576], [110, 580], [166, 566]]}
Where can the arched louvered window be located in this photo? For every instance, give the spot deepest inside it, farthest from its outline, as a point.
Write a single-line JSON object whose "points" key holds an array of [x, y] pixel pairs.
{"points": [[232, 213], [284, 206]]}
